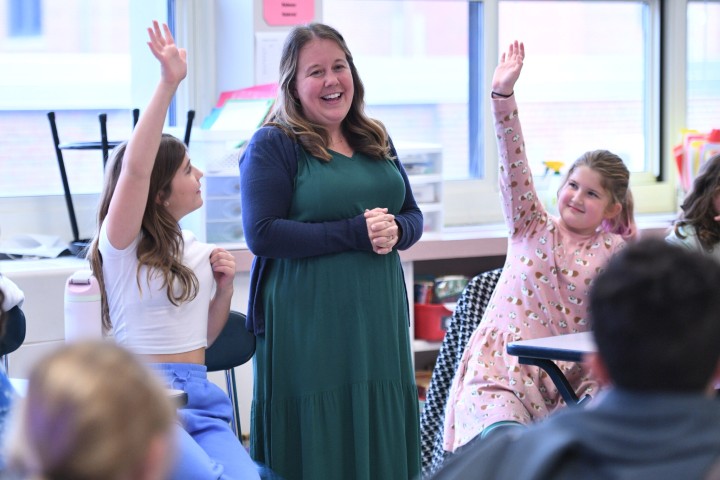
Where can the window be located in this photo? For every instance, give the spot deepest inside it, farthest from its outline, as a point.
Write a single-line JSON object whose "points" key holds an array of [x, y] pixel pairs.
{"points": [[703, 65], [79, 65], [414, 65], [589, 82], [583, 85], [23, 18]]}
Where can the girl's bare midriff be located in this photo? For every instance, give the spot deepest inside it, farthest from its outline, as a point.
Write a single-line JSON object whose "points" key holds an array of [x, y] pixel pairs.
{"points": [[194, 356]]}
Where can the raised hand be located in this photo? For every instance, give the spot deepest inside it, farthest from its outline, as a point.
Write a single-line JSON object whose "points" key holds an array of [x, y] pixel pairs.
{"points": [[173, 60], [508, 70]]}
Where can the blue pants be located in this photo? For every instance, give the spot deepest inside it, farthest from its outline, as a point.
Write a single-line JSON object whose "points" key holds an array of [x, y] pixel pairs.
{"points": [[207, 447]]}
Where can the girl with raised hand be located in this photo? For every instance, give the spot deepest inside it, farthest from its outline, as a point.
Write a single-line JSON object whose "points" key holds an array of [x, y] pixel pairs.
{"points": [[165, 295], [550, 265]]}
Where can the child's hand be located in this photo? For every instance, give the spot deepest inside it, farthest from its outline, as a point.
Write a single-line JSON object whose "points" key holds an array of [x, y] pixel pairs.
{"points": [[173, 60], [508, 70], [223, 267]]}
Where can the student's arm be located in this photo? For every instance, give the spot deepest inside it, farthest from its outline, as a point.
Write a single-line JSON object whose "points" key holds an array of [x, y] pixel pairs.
{"points": [[125, 213], [520, 204]]}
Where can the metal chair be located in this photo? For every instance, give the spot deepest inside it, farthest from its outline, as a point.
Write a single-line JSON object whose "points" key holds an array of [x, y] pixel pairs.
{"points": [[15, 329], [234, 346]]}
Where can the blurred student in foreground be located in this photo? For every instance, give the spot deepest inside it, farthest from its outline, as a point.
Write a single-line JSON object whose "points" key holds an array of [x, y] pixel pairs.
{"points": [[655, 316], [92, 411]]}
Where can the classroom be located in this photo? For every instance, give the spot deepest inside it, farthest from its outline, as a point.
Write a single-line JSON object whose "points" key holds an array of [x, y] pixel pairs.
{"points": [[636, 77]]}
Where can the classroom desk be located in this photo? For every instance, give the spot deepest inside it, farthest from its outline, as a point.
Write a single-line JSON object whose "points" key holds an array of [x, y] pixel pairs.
{"points": [[544, 352], [178, 397]]}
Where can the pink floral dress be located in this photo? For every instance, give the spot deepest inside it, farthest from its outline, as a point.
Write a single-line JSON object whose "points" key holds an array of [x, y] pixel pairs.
{"points": [[542, 292]]}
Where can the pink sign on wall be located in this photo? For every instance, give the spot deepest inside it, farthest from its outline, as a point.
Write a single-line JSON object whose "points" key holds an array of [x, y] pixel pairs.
{"points": [[288, 12]]}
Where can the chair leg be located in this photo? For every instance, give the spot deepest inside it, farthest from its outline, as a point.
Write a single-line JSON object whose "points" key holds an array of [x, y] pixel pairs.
{"points": [[236, 405], [63, 177], [104, 138], [232, 393], [188, 127]]}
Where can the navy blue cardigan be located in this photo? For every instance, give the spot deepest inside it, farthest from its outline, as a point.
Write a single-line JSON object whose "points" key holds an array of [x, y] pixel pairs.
{"points": [[267, 179]]}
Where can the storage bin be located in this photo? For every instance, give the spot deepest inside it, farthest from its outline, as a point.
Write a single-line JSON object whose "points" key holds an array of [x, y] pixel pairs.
{"points": [[224, 231], [424, 192], [223, 208], [431, 321], [449, 288]]}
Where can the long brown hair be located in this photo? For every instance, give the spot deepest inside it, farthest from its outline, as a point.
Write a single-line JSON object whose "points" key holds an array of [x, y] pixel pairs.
{"points": [[615, 179], [364, 134], [698, 210], [161, 242]]}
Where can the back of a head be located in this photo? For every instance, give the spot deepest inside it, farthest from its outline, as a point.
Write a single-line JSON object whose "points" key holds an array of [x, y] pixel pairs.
{"points": [[91, 411], [655, 312]]}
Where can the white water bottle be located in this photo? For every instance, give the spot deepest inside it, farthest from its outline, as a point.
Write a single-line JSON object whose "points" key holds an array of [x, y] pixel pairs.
{"points": [[83, 317]]}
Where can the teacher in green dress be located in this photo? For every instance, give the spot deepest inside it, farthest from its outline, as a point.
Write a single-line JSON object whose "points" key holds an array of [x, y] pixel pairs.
{"points": [[326, 205]]}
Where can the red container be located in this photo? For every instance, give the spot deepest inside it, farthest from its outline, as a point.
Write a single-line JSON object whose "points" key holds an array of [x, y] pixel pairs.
{"points": [[431, 321]]}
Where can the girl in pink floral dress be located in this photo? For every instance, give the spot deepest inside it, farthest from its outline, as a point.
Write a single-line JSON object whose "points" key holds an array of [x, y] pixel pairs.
{"points": [[550, 264]]}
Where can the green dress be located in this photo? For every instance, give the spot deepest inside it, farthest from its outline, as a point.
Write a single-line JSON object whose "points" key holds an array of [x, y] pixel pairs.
{"points": [[335, 394]]}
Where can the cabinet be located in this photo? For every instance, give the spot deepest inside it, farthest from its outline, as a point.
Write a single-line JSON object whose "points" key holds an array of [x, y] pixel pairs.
{"points": [[423, 164], [222, 212], [223, 215], [425, 352]]}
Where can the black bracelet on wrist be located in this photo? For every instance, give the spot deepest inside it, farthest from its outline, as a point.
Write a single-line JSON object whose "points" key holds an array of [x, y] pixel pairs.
{"points": [[501, 95]]}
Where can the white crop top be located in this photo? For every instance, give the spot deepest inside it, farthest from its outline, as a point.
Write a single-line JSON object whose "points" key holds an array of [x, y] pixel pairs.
{"points": [[145, 321]]}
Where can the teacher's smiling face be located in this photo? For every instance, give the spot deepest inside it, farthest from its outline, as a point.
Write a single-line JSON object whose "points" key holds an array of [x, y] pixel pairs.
{"points": [[323, 83]]}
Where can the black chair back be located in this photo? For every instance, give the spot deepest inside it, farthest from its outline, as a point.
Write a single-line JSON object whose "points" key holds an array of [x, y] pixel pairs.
{"points": [[15, 330], [234, 346]]}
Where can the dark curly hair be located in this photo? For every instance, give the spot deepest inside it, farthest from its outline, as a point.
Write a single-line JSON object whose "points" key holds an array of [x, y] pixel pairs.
{"points": [[697, 208]]}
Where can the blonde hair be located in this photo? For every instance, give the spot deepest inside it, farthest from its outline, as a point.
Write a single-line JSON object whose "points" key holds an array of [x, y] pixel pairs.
{"points": [[91, 411]]}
